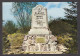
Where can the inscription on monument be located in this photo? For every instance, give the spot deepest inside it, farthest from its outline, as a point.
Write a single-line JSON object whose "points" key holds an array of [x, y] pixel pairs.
{"points": [[39, 12], [39, 21], [39, 17]]}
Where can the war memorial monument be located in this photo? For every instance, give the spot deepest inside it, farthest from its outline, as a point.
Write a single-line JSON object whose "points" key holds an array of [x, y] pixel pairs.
{"points": [[40, 38]]}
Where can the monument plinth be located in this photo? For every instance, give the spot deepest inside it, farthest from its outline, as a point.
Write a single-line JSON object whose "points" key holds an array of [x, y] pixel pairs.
{"points": [[39, 24]]}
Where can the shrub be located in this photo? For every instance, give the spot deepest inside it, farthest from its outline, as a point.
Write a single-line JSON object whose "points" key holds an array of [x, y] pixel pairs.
{"points": [[23, 30], [59, 27], [66, 40], [10, 27], [6, 45], [16, 39]]}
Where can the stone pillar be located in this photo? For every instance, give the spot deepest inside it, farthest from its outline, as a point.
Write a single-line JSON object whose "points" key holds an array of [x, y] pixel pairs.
{"points": [[39, 23]]}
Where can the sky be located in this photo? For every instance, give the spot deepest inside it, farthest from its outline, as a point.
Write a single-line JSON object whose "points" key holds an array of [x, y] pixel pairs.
{"points": [[54, 9]]}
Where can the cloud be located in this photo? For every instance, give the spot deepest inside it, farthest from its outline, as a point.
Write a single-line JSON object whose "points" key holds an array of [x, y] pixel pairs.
{"points": [[65, 5], [52, 4], [56, 12], [55, 9]]}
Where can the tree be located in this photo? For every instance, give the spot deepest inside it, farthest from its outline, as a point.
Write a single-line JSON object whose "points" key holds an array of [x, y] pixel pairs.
{"points": [[59, 27], [71, 18], [9, 27], [22, 12], [71, 13]]}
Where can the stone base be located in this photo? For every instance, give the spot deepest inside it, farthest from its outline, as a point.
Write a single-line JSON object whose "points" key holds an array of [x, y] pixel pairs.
{"points": [[39, 31], [46, 43]]}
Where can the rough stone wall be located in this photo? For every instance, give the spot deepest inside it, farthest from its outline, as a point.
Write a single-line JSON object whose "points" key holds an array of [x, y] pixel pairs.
{"points": [[30, 44]]}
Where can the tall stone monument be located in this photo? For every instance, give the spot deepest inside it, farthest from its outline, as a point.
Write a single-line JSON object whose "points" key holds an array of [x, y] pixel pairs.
{"points": [[39, 38], [39, 21]]}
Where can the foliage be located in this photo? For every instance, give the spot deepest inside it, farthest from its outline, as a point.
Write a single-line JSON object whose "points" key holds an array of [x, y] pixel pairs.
{"points": [[23, 30], [4, 32], [15, 39], [67, 41], [59, 27], [71, 13], [71, 18], [22, 12], [9, 27], [6, 45], [40, 40]]}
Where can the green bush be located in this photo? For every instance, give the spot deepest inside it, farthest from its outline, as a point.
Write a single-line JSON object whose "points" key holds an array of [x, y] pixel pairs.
{"points": [[6, 45], [23, 30], [66, 40], [59, 27], [16, 39], [10, 27]]}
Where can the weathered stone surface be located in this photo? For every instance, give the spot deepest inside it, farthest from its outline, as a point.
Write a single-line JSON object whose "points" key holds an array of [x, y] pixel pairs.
{"points": [[44, 48], [48, 45], [39, 24]]}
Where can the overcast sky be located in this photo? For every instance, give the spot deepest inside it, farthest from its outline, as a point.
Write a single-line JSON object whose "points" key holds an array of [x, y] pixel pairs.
{"points": [[54, 9]]}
